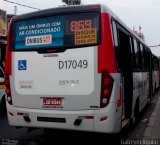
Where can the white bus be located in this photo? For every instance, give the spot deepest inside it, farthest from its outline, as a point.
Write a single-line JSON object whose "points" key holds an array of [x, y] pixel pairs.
{"points": [[77, 68]]}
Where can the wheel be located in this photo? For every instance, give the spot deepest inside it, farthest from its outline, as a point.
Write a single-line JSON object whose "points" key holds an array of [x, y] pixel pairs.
{"points": [[134, 119], [3, 105]]}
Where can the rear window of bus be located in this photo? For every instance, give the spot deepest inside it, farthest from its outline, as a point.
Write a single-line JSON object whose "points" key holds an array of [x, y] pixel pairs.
{"points": [[56, 32]]}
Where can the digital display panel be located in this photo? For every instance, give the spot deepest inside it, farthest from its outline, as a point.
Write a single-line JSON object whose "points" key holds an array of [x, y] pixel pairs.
{"points": [[80, 24], [38, 33], [58, 32]]}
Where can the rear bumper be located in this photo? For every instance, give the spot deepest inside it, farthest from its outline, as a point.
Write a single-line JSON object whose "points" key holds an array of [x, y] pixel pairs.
{"points": [[91, 120]]}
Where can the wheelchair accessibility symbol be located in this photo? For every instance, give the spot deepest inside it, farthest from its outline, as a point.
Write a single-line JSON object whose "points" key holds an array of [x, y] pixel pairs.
{"points": [[22, 64]]}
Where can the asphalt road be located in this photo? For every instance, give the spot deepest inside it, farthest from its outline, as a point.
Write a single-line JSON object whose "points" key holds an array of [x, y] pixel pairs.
{"points": [[23, 136]]}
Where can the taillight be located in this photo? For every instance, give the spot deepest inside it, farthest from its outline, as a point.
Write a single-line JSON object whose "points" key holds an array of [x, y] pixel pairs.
{"points": [[7, 83], [8, 89], [106, 88]]}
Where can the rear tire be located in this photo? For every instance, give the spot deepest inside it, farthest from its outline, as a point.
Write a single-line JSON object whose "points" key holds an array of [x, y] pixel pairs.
{"points": [[134, 119], [136, 110], [155, 88], [151, 93], [3, 105]]}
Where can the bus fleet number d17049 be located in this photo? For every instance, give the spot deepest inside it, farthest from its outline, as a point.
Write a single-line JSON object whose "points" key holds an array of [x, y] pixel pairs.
{"points": [[73, 64]]}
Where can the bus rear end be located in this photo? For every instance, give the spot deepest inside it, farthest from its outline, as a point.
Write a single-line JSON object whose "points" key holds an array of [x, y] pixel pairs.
{"points": [[60, 70]]}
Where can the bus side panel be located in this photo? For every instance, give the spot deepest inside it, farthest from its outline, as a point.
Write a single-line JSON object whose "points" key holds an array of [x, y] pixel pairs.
{"points": [[8, 59], [106, 50], [107, 61]]}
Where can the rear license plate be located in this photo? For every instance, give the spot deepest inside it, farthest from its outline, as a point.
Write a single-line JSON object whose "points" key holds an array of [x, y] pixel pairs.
{"points": [[52, 101]]}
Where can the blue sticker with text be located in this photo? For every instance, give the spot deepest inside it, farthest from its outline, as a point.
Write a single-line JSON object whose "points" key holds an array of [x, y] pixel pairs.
{"points": [[40, 33], [22, 64]]}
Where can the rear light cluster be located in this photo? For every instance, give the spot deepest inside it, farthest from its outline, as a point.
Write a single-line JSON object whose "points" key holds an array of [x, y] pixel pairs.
{"points": [[8, 90], [106, 88]]}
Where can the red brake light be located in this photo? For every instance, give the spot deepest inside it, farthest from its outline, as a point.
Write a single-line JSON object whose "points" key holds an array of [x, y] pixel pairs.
{"points": [[94, 7], [50, 51], [6, 83], [8, 90], [106, 92], [106, 88], [106, 81]]}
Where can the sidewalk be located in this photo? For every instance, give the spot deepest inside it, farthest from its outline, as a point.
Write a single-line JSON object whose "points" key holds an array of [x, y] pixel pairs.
{"points": [[153, 127]]}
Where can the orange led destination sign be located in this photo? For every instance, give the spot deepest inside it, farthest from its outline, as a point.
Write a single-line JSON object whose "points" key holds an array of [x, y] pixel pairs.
{"points": [[86, 36], [80, 24]]}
